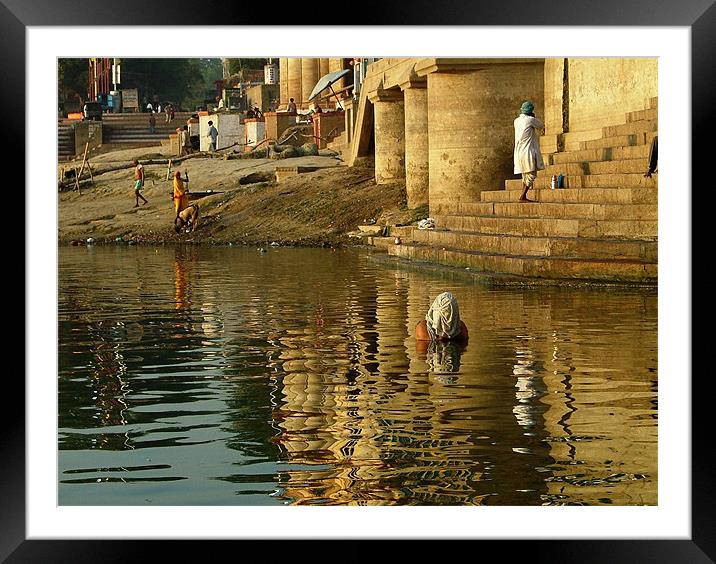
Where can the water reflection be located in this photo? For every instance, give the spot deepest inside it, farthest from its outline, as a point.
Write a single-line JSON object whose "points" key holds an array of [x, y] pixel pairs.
{"points": [[226, 376]]}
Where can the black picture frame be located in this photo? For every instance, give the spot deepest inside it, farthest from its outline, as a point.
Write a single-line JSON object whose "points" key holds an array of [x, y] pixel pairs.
{"points": [[698, 15]]}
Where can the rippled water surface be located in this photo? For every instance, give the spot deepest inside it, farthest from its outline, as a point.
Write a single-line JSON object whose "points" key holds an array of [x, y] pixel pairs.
{"points": [[226, 376]]}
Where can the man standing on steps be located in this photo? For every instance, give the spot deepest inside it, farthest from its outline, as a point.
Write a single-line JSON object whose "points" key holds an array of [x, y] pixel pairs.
{"points": [[527, 156]]}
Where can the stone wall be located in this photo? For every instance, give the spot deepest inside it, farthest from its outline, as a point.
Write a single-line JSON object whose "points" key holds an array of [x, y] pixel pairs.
{"points": [[262, 95], [600, 91], [87, 131], [327, 126]]}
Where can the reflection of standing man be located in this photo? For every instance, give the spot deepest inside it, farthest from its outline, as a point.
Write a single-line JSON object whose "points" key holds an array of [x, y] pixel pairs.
{"points": [[213, 135], [527, 155]]}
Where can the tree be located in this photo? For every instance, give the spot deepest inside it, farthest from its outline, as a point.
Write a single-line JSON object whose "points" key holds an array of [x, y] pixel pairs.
{"points": [[180, 81], [72, 78], [238, 65]]}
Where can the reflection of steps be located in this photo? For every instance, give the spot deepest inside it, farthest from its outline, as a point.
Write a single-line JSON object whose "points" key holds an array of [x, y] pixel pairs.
{"points": [[601, 226], [134, 128], [65, 140]]}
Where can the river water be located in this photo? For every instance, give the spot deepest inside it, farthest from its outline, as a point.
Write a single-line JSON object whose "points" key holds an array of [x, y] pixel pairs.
{"points": [[227, 376]]}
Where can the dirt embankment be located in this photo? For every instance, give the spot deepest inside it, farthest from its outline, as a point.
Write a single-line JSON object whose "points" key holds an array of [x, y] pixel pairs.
{"points": [[247, 205]]}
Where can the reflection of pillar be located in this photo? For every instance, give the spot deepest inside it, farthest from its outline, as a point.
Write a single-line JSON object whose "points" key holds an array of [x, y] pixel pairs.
{"points": [[391, 306], [416, 142], [417, 303], [283, 81], [309, 77], [294, 79], [471, 109], [389, 116]]}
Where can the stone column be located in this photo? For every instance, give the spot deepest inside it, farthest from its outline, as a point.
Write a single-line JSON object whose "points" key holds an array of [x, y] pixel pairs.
{"points": [[294, 80], [472, 105], [336, 65], [309, 77], [323, 66], [416, 142], [389, 116], [283, 81]]}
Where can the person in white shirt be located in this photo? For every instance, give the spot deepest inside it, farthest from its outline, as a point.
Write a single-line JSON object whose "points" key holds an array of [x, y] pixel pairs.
{"points": [[527, 155]]}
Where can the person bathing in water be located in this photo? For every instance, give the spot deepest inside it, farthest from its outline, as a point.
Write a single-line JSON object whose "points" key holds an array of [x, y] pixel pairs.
{"points": [[442, 322]]}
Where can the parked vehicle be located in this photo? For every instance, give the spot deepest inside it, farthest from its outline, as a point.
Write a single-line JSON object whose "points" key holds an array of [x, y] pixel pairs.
{"points": [[92, 111]]}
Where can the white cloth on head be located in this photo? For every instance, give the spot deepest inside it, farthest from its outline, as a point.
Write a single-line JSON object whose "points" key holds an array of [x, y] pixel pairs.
{"points": [[527, 155], [443, 317]]}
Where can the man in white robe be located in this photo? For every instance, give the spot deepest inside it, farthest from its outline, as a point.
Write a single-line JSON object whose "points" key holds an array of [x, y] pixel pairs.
{"points": [[527, 156]]}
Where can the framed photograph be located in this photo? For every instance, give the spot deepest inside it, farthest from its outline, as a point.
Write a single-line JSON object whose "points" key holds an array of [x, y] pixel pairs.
{"points": [[67, 503]]}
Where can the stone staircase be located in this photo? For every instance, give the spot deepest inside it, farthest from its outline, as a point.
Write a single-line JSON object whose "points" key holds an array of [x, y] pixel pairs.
{"points": [[602, 226], [65, 140], [134, 128]]}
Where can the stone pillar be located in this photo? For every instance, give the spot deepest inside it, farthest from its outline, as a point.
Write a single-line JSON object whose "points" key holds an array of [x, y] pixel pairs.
{"points": [[389, 116], [323, 66], [294, 80], [283, 81], [336, 65], [471, 109], [416, 142], [309, 78]]}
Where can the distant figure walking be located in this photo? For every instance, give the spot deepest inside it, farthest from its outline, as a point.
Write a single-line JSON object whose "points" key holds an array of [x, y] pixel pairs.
{"points": [[138, 182], [527, 156], [152, 123], [181, 192], [442, 322], [291, 106], [213, 135]]}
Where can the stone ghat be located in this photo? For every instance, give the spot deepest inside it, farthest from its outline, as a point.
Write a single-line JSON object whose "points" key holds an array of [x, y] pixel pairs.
{"points": [[601, 226]]}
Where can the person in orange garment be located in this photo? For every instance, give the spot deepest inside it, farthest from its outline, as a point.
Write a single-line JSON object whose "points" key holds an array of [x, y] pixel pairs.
{"points": [[442, 322], [181, 192]]}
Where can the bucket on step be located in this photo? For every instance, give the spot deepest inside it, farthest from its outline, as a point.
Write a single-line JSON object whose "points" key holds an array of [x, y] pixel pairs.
{"points": [[553, 184]]}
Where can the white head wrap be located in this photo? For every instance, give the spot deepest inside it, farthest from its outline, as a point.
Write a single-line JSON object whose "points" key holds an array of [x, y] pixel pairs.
{"points": [[443, 317]]}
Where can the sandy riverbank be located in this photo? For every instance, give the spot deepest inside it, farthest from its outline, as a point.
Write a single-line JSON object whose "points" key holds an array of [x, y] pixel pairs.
{"points": [[313, 208]]}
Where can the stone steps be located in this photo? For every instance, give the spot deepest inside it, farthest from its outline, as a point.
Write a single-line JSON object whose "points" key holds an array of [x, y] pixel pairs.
{"points": [[518, 245], [646, 195], [601, 154], [570, 141], [648, 114], [625, 180], [546, 227], [621, 166], [602, 226], [558, 210], [134, 128], [628, 140], [630, 128], [555, 268]]}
